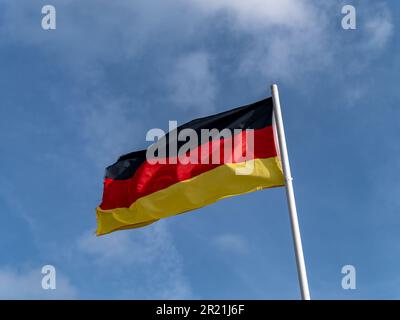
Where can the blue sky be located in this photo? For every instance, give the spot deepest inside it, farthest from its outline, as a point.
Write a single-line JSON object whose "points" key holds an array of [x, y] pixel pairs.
{"points": [[75, 98]]}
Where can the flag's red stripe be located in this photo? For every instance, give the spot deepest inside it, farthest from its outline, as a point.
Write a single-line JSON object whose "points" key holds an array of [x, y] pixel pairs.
{"points": [[150, 178]]}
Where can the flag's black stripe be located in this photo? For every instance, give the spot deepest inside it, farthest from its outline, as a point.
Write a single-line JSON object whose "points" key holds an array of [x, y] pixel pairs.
{"points": [[257, 115]]}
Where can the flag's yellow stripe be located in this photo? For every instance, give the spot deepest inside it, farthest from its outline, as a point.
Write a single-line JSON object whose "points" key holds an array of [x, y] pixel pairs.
{"points": [[199, 191]]}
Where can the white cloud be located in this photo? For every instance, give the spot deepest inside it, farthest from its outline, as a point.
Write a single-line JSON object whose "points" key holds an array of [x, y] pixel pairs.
{"points": [[282, 40], [233, 243], [150, 252], [193, 84], [28, 285], [261, 13], [292, 39]]}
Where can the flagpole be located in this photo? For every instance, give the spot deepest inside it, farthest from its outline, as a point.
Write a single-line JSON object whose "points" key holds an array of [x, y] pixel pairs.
{"points": [[301, 267]]}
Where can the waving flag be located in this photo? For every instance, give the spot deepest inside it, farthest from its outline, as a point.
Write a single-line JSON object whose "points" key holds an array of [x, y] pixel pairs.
{"points": [[140, 189]]}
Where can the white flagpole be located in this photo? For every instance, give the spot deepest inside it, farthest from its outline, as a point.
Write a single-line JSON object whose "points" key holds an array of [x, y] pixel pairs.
{"points": [[301, 267]]}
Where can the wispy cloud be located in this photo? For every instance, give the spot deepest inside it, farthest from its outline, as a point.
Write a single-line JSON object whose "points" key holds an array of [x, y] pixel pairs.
{"points": [[260, 13], [27, 285], [284, 39], [379, 27], [288, 40], [150, 253], [193, 83], [232, 243]]}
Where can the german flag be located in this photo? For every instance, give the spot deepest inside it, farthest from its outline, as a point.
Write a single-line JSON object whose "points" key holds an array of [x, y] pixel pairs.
{"points": [[139, 190]]}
